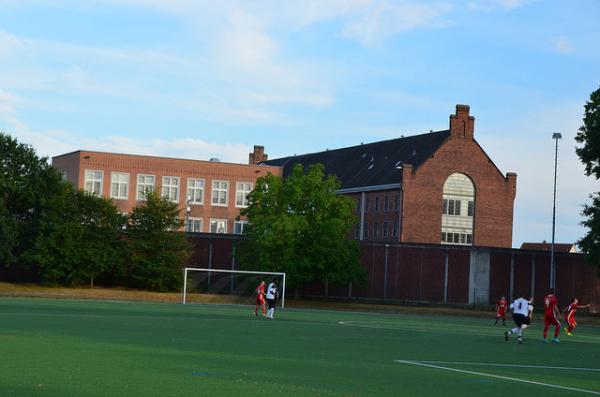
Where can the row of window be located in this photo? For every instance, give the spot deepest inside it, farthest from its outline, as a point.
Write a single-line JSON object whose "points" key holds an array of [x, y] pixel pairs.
{"points": [[196, 225], [119, 188], [453, 207], [379, 204], [457, 238], [386, 230]]}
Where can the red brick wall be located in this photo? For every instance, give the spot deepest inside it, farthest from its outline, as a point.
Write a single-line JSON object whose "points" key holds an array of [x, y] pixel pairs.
{"points": [[76, 163], [423, 188]]}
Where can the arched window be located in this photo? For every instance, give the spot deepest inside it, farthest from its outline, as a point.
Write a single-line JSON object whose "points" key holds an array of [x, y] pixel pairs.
{"points": [[458, 209]]}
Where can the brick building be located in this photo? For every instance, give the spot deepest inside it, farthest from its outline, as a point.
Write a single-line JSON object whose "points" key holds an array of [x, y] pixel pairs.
{"points": [[210, 192], [439, 187]]}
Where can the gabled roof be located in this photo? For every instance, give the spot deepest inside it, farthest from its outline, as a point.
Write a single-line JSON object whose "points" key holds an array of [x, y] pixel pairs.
{"points": [[371, 164]]}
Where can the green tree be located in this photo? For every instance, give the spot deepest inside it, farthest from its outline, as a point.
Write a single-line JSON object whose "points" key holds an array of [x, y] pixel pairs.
{"points": [[300, 226], [589, 153], [158, 251]]}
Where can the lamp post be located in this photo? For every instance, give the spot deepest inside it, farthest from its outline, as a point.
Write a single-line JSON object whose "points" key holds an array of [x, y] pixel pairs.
{"points": [[188, 210], [556, 136]]}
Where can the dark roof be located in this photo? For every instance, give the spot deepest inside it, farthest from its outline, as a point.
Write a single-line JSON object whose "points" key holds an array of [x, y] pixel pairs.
{"points": [[371, 164], [558, 247]]}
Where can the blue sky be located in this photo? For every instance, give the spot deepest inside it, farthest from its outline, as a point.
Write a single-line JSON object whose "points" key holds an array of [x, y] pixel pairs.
{"points": [[200, 79]]}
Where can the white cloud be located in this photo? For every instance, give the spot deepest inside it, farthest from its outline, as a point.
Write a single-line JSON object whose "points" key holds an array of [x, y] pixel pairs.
{"points": [[562, 45], [493, 5], [384, 19]]}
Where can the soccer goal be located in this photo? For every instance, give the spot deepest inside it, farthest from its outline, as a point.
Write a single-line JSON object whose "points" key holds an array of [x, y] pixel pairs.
{"points": [[228, 286]]}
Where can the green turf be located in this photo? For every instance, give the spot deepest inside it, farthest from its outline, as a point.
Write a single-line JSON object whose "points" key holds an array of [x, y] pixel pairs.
{"points": [[69, 348]]}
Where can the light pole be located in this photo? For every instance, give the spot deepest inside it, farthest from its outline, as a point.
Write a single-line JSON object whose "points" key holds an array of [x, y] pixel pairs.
{"points": [[556, 136]]}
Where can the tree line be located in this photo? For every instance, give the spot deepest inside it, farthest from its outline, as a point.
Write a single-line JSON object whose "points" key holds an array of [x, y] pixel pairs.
{"points": [[55, 233]]}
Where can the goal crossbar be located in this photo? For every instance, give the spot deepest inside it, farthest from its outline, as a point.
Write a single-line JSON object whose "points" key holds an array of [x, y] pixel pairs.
{"points": [[185, 275]]}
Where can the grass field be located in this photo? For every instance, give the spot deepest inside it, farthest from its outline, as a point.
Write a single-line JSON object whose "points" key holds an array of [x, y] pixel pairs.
{"points": [[67, 348]]}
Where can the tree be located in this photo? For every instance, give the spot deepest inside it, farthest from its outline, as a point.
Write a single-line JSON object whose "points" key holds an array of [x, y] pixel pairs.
{"points": [[158, 251], [589, 153], [299, 225]]}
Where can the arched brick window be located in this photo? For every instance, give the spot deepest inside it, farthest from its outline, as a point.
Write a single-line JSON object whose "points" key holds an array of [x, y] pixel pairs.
{"points": [[458, 209]]}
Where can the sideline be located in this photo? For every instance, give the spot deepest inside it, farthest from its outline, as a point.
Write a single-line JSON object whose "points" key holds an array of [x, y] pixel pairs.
{"points": [[422, 364]]}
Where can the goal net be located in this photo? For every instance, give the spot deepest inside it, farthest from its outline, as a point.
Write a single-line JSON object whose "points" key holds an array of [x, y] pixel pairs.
{"points": [[228, 286]]}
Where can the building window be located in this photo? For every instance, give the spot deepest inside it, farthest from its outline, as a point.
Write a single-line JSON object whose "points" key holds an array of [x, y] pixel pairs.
{"points": [[170, 188], [195, 191], [357, 232], [239, 226], [358, 206], [65, 176], [385, 229], [194, 225], [376, 203], [375, 230], [451, 207], [219, 193], [385, 203], [242, 189], [396, 202], [218, 225], [395, 229], [93, 182], [458, 205], [119, 185], [367, 204], [366, 231], [145, 185]]}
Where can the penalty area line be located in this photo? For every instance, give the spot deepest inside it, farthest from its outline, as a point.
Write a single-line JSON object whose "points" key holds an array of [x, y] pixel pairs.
{"points": [[422, 364], [510, 365]]}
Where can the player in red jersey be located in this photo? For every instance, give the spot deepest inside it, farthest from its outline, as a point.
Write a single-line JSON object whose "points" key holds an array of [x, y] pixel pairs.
{"points": [[569, 313], [501, 310], [551, 316], [260, 299]]}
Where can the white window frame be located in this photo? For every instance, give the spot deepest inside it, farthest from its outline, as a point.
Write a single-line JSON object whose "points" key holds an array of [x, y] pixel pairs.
{"points": [[190, 221], [93, 182], [241, 201], [141, 195], [167, 188], [216, 221], [243, 225], [219, 190], [195, 193], [115, 180]]}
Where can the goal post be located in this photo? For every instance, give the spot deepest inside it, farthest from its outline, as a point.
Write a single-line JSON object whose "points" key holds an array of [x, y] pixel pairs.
{"points": [[239, 286]]}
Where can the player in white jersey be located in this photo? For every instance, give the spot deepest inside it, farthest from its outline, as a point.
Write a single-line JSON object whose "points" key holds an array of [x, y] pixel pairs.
{"points": [[520, 310], [272, 294]]}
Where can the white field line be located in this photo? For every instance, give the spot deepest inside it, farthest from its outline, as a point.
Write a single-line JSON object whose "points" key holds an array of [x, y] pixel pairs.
{"points": [[499, 377], [449, 329], [507, 365]]}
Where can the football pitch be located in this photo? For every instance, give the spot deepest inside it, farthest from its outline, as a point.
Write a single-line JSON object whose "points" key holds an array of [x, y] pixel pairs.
{"points": [[75, 348]]}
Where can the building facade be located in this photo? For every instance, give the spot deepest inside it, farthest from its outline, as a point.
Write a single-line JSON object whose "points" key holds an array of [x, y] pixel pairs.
{"points": [[209, 193], [439, 187]]}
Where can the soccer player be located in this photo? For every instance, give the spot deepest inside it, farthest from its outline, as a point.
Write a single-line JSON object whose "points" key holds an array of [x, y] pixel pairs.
{"points": [[551, 316], [501, 310], [569, 313], [260, 299], [271, 298], [520, 310], [527, 320]]}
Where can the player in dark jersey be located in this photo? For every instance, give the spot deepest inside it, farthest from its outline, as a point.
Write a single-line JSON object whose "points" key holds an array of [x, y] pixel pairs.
{"points": [[501, 306], [551, 315], [569, 313]]}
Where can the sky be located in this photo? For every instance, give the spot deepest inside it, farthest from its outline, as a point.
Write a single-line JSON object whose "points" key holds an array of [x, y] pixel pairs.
{"points": [[201, 79]]}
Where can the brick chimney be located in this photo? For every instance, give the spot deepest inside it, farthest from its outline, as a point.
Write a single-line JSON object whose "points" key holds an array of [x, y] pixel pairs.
{"points": [[258, 155], [461, 124]]}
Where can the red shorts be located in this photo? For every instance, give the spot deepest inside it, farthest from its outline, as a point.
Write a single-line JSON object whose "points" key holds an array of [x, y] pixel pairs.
{"points": [[260, 300], [551, 320], [571, 320], [501, 313]]}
